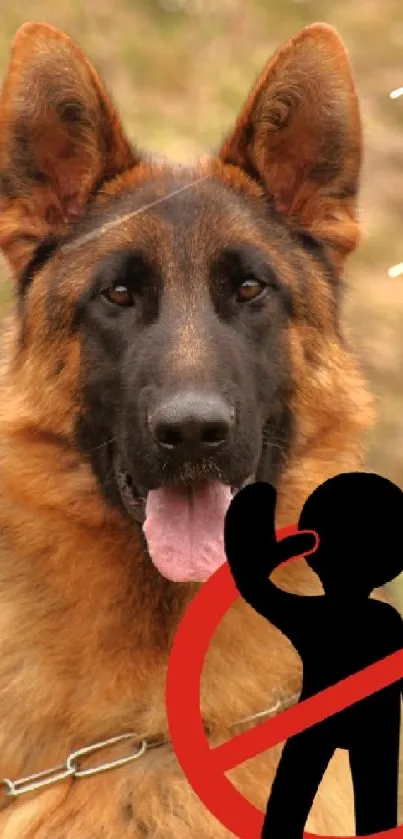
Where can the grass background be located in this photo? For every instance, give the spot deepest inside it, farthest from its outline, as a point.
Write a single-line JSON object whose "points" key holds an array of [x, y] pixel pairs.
{"points": [[180, 70]]}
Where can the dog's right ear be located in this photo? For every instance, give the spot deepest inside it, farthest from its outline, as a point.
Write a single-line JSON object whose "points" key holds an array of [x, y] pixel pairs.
{"points": [[60, 137]]}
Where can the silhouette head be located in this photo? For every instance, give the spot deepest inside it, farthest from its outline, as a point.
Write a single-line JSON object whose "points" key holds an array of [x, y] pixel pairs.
{"points": [[358, 517]]}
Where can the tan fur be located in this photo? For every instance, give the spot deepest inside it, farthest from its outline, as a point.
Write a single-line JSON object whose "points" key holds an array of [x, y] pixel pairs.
{"points": [[86, 621]]}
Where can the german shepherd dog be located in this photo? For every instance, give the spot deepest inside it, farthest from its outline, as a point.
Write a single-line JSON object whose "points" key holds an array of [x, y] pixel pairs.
{"points": [[176, 334]]}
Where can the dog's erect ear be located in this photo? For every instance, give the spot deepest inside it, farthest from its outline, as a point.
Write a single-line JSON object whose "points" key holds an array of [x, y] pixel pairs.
{"points": [[299, 134], [59, 138]]}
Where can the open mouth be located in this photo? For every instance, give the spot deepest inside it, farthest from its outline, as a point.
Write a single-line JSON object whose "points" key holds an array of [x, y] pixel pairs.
{"points": [[182, 524]]}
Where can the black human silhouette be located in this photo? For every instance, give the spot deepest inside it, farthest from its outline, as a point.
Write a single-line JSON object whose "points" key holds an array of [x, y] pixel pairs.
{"points": [[354, 546]]}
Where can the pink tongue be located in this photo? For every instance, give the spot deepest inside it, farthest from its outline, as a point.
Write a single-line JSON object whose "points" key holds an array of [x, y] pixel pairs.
{"points": [[185, 531]]}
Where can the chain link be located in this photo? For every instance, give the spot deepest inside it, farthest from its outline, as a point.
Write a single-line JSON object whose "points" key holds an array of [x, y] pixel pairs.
{"points": [[73, 768], [34, 782]]}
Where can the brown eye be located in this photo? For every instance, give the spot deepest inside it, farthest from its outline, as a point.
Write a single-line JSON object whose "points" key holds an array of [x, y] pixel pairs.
{"points": [[119, 295], [249, 290]]}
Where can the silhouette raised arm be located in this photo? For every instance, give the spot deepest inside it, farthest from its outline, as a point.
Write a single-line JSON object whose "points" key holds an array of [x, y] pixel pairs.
{"points": [[253, 552]]}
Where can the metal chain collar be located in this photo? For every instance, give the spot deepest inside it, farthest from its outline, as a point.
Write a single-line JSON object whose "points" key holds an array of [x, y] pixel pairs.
{"points": [[73, 766]]}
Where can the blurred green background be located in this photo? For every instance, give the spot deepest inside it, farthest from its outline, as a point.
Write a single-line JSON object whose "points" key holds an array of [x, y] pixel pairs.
{"points": [[180, 70]]}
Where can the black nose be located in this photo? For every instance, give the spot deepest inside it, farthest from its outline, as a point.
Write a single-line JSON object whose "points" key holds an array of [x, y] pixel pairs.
{"points": [[192, 424]]}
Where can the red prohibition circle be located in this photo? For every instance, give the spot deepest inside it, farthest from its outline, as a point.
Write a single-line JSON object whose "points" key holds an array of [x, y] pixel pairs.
{"points": [[205, 766]]}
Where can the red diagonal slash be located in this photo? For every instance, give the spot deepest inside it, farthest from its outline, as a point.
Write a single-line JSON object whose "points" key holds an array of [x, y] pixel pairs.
{"points": [[205, 766]]}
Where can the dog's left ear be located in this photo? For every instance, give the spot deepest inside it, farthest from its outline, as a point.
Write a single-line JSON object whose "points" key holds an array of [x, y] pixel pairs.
{"points": [[299, 135]]}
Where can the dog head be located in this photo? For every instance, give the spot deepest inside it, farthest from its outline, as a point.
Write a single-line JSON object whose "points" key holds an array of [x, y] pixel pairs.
{"points": [[171, 319]]}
